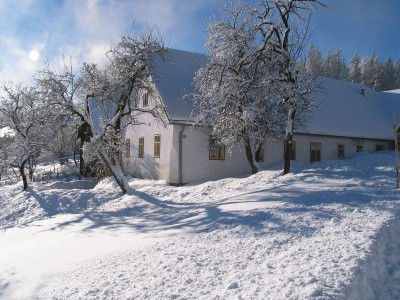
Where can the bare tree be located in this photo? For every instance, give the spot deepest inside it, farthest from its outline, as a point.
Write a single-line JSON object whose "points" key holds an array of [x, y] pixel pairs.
{"points": [[251, 87], [232, 89], [284, 26], [103, 98], [25, 113]]}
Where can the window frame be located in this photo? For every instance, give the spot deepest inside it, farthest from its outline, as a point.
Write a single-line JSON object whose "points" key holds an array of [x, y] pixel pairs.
{"points": [[315, 153], [128, 147], [141, 147], [261, 153], [215, 151], [359, 148], [293, 152], [340, 151], [157, 145], [145, 99]]}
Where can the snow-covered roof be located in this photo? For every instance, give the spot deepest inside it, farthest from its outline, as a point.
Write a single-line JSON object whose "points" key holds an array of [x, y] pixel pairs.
{"points": [[176, 80], [393, 91], [343, 109]]}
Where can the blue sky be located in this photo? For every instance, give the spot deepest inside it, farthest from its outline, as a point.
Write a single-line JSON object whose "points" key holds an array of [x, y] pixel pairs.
{"points": [[32, 31]]}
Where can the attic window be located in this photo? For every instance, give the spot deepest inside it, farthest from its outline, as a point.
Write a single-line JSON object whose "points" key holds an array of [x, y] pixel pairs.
{"points": [[146, 99]]}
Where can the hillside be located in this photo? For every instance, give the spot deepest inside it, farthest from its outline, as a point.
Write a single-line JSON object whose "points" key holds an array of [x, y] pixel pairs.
{"points": [[327, 230]]}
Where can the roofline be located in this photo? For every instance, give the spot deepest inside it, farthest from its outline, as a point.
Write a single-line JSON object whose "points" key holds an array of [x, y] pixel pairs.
{"points": [[184, 122], [345, 136], [193, 123]]}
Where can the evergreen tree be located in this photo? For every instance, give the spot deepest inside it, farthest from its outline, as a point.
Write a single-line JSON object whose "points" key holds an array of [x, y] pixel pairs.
{"points": [[367, 76], [327, 67], [315, 62], [397, 73], [389, 76], [355, 68], [377, 73], [337, 65]]}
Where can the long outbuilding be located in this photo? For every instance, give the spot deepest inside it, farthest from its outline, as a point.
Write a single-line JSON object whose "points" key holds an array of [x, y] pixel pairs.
{"points": [[350, 118]]}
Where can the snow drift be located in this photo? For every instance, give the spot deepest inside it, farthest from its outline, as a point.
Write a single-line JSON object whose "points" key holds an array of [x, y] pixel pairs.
{"points": [[329, 230]]}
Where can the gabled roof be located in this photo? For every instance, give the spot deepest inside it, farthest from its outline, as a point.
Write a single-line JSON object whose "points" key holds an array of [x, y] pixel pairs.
{"points": [[175, 80], [344, 110]]}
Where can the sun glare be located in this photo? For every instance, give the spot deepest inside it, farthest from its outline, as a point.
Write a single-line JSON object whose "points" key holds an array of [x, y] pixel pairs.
{"points": [[34, 55]]}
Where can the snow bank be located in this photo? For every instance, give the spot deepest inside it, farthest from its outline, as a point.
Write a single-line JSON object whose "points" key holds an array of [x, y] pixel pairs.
{"points": [[378, 276], [328, 230]]}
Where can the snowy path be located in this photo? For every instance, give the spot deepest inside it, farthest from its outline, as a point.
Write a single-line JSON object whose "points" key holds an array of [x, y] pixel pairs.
{"points": [[304, 235]]}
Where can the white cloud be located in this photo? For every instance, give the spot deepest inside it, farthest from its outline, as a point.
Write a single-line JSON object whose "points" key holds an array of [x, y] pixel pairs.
{"points": [[97, 53], [15, 63], [83, 30]]}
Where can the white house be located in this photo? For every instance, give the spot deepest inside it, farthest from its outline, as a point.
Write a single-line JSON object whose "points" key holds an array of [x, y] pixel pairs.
{"points": [[351, 118]]}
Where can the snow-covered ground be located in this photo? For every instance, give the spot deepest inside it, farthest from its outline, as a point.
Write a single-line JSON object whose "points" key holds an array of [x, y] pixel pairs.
{"points": [[327, 230]]}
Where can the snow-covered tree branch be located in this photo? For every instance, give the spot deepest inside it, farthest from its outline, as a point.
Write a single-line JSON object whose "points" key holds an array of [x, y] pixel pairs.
{"points": [[283, 25], [104, 97], [25, 113], [251, 87]]}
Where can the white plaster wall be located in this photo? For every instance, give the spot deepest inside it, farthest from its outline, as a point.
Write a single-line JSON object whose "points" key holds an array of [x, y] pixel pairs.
{"points": [[148, 166], [195, 151], [197, 166], [329, 146]]}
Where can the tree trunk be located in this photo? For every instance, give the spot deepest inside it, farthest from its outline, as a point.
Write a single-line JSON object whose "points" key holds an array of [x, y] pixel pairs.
{"points": [[115, 168], [287, 153], [119, 176], [287, 149], [249, 155], [85, 134], [22, 173]]}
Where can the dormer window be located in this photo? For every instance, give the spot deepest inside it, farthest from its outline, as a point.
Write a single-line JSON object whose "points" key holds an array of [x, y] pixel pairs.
{"points": [[146, 99]]}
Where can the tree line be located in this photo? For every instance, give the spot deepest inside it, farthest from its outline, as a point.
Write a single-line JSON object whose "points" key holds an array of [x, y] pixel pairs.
{"points": [[369, 71]]}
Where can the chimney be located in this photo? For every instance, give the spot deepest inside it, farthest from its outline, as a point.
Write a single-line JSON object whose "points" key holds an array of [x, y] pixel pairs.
{"points": [[363, 92]]}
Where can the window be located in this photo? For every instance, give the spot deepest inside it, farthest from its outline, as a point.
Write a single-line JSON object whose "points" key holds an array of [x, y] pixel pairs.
{"points": [[217, 152], [157, 140], [293, 152], [360, 148], [141, 147], [146, 99], [128, 147], [315, 152], [260, 154], [379, 147], [340, 151]]}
